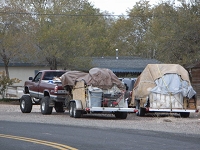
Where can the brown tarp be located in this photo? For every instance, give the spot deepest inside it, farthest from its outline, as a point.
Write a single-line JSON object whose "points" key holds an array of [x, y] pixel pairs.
{"points": [[146, 81], [98, 77]]}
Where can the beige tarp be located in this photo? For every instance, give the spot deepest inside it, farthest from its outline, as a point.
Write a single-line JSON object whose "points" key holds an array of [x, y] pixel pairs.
{"points": [[146, 81], [98, 77]]}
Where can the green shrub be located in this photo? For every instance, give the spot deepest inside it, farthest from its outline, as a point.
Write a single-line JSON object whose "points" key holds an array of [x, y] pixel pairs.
{"points": [[6, 81]]}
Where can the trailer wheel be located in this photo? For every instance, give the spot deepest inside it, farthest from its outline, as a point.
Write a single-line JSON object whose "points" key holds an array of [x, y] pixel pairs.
{"points": [[71, 109], [26, 104], [185, 114], [121, 115], [59, 107], [44, 106], [76, 113], [141, 112]]}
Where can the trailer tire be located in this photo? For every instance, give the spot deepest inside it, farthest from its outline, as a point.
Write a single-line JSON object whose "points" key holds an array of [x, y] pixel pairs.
{"points": [[26, 104], [59, 107], [184, 114], [44, 106], [121, 115], [141, 112], [71, 109], [76, 113]]}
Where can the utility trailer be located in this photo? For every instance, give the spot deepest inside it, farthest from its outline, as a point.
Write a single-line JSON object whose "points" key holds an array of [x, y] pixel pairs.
{"points": [[98, 91], [164, 88]]}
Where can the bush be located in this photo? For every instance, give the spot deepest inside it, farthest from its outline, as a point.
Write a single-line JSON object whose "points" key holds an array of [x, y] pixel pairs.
{"points": [[6, 81]]}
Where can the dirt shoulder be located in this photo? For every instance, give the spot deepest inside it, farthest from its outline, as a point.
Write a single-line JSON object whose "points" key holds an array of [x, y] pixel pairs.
{"points": [[10, 102]]}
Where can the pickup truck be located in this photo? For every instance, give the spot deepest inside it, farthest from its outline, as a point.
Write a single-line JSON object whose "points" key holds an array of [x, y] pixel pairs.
{"points": [[44, 90]]}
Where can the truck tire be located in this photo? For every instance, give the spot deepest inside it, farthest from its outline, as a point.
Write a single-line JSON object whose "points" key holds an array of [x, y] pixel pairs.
{"points": [[59, 107], [44, 106], [184, 114], [76, 113], [26, 104], [71, 109], [121, 115]]}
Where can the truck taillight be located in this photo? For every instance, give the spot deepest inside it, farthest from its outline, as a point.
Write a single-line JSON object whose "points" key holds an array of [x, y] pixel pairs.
{"points": [[55, 89]]}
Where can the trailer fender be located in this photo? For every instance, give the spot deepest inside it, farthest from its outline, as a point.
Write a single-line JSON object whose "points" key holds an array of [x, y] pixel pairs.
{"points": [[79, 105]]}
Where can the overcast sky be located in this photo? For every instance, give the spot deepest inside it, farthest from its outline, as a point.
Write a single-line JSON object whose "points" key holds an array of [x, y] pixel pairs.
{"points": [[117, 6], [120, 6]]}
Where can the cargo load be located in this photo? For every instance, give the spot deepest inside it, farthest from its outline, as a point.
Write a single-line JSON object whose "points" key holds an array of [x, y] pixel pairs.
{"points": [[164, 88], [98, 91]]}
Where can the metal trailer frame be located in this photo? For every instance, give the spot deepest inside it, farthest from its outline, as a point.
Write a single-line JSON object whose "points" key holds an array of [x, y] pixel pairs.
{"points": [[81, 103]]}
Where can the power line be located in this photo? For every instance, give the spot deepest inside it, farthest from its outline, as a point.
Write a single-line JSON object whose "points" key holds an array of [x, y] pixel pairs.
{"points": [[48, 14]]}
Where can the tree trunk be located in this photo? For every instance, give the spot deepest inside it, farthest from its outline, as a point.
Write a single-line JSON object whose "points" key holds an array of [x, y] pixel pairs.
{"points": [[6, 61], [6, 69], [52, 62]]}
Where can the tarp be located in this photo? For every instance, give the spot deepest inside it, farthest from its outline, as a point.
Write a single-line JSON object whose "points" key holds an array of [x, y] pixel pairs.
{"points": [[98, 77], [163, 79]]}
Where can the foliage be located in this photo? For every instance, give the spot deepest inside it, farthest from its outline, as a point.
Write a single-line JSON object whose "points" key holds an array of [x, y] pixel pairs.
{"points": [[80, 31], [14, 33], [128, 33], [6, 81], [176, 33], [69, 33]]}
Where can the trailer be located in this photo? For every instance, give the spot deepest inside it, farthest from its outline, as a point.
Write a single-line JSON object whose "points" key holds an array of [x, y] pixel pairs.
{"points": [[164, 88], [99, 91]]}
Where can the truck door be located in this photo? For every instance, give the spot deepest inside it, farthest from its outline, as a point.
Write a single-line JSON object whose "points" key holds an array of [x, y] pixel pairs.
{"points": [[34, 87]]}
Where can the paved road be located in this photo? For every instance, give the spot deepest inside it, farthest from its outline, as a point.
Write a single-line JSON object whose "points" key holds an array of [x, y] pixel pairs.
{"points": [[59, 131], [84, 138]]}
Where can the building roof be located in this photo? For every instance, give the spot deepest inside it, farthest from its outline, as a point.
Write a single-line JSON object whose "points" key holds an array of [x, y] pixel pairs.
{"points": [[192, 65], [21, 64], [124, 64]]}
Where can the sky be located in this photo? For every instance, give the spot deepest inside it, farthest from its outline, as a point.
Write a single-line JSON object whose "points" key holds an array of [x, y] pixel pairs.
{"points": [[117, 7]]}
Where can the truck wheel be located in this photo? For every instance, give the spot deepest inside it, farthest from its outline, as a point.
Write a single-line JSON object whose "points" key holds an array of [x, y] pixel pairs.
{"points": [[76, 113], [121, 115], [26, 104], [44, 106], [184, 114], [59, 107], [71, 109]]}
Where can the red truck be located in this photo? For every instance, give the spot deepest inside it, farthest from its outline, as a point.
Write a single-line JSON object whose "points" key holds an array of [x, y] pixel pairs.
{"points": [[44, 91]]}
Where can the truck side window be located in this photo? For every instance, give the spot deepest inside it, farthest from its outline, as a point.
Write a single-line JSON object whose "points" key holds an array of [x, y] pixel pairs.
{"points": [[37, 77]]}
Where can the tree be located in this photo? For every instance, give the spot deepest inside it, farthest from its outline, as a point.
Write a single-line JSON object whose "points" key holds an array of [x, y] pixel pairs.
{"points": [[128, 33], [175, 33], [14, 35], [68, 31]]}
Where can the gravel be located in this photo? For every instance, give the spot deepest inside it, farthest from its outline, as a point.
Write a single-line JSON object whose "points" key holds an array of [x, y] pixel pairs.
{"points": [[158, 122]]}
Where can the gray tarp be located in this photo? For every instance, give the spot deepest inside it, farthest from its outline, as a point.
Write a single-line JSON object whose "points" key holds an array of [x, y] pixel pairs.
{"points": [[98, 77], [172, 83]]}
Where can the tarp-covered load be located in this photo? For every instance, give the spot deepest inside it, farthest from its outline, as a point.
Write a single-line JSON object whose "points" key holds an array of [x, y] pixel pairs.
{"points": [[98, 77], [163, 79]]}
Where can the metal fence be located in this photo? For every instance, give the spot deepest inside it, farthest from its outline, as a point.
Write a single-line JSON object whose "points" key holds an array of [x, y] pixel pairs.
{"points": [[14, 92]]}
